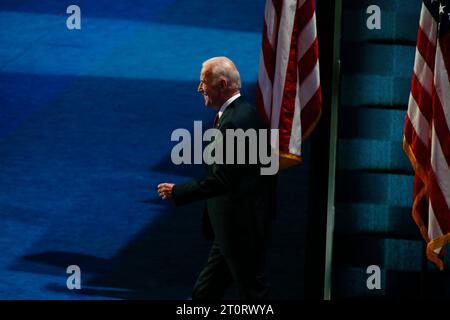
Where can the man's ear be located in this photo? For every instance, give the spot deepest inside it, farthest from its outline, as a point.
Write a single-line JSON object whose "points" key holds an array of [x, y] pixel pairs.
{"points": [[223, 83]]}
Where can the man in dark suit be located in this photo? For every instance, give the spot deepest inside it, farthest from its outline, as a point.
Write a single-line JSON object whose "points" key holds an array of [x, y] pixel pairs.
{"points": [[240, 200]]}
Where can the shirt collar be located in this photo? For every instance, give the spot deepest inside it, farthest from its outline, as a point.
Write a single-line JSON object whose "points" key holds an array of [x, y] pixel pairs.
{"points": [[227, 103]]}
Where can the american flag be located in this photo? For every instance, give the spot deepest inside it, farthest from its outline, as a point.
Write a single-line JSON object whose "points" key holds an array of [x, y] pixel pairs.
{"points": [[288, 89], [426, 138]]}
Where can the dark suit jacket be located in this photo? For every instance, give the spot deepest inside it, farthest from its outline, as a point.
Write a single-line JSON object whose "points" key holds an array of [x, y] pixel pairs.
{"points": [[240, 201]]}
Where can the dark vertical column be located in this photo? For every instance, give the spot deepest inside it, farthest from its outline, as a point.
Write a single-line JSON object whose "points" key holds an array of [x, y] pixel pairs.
{"points": [[319, 153]]}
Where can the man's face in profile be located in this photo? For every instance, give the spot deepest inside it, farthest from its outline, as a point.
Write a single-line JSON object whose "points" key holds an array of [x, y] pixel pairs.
{"points": [[211, 91]]}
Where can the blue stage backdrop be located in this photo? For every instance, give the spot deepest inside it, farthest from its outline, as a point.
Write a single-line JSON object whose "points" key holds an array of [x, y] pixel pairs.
{"points": [[374, 224], [85, 123]]}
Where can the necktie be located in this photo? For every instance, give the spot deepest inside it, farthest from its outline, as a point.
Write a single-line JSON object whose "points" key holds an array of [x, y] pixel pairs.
{"points": [[216, 120]]}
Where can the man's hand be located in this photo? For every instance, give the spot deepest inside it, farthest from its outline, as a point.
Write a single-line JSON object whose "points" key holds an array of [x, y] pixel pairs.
{"points": [[165, 190]]}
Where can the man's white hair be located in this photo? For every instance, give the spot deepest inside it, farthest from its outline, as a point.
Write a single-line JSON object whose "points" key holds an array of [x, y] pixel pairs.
{"points": [[224, 68]]}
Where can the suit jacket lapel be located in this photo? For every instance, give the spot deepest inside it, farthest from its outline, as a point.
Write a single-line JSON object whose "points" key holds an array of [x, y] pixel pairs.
{"points": [[223, 118], [228, 111]]}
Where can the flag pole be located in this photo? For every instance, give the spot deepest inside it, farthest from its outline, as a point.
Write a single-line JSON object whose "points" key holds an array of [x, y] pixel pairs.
{"points": [[333, 144]]}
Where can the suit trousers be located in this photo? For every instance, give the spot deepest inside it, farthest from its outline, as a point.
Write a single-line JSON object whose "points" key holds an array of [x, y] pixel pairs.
{"points": [[246, 270]]}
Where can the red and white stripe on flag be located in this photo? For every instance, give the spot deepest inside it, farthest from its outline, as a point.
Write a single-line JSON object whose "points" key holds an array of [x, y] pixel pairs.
{"points": [[288, 88], [426, 138]]}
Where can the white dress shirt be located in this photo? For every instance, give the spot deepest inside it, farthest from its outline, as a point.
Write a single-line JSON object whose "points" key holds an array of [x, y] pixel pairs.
{"points": [[227, 103]]}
